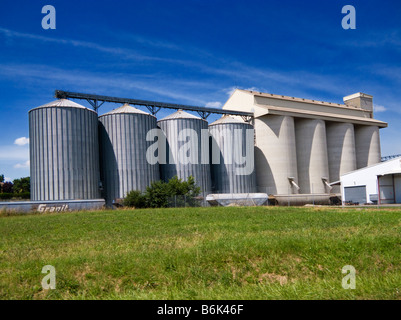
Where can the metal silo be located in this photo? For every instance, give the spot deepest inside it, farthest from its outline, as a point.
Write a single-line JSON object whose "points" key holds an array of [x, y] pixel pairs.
{"points": [[367, 146], [275, 155], [187, 148], [340, 150], [123, 147], [232, 165], [313, 167], [64, 156]]}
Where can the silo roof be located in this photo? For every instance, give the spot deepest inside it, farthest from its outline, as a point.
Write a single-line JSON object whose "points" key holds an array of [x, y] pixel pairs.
{"points": [[228, 119], [180, 114], [126, 108], [62, 103]]}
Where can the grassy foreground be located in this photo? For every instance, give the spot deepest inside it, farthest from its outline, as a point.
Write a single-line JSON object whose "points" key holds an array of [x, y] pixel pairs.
{"points": [[203, 253]]}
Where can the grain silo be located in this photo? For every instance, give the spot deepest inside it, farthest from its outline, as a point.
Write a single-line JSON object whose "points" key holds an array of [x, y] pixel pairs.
{"points": [[275, 155], [64, 157], [341, 150], [367, 145], [232, 149], [123, 147], [187, 149], [313, 167]]}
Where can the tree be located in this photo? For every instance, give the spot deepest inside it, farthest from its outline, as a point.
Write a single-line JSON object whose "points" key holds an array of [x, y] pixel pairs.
{"points": [[8, 187], [161, 194], [157, 195], [135, 199], [1, 177], [22, 185]]}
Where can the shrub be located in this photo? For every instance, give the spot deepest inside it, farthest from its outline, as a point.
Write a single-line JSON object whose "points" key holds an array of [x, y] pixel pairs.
{"points": [[162, 195], [157, 195], [7, 187], [135, 199]]}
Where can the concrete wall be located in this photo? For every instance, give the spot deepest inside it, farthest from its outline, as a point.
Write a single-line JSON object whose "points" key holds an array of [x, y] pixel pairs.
{"points": [[275, 154], [367, 146], [340, 150], [311, 155]]}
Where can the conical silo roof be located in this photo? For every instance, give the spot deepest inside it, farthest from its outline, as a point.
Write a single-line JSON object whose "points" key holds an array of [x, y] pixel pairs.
{"points": [[180, 114], [62, 103], [126, 108], [228, 119]]}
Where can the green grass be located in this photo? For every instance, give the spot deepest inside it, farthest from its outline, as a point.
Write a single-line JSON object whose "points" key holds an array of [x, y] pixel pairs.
{"points": [[203, 253]]}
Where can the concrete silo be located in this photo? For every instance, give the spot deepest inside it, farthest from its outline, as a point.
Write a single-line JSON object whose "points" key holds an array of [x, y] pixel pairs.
{"points": [[232, 149], [275, 155], [340, 149], [187, 148], [64, 154], [367, 145], [313, 167], [123, 147]]}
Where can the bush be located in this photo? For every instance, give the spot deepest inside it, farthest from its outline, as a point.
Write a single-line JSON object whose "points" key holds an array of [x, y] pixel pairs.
{"points": [[135, 199], [6, 196], [161, 194], [7, 187], [157, 195], [9, 196]]}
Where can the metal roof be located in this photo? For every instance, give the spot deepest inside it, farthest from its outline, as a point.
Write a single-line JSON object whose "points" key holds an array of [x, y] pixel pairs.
{"points": [[180, 114], [228, 119], [126, 108], [62, 103]]}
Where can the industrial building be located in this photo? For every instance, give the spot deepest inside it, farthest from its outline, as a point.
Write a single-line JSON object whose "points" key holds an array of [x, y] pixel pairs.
{"points": [[294, 150], [303, 146], [376, 184]]}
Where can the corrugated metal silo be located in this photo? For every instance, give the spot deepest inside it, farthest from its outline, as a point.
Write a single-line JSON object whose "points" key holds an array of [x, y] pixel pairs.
{"points": [[367, 145], [275, 155], [227, 177], [186, 149], [123, 147], [340, 150], [313, 166], [64, 152]]}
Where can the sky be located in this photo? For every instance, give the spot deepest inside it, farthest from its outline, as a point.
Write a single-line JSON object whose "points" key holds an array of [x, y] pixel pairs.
{"points": [[194, 52]]}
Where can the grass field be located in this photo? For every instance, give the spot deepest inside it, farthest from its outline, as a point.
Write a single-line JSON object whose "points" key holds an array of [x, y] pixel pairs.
{"points": [[203, 253]]}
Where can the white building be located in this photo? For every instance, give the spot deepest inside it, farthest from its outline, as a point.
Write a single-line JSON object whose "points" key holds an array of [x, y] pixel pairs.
{"points": [[379, 183], [302, 146]]}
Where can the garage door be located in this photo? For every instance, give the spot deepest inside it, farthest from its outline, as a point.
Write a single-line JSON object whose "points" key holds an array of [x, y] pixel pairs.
{"points": [[355, 194]]}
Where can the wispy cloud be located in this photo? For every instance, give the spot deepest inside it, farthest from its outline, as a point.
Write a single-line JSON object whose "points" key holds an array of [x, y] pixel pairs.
{"points": [[214, 104], [378, 108], [14, 153], [21, 141], [22, 165]]}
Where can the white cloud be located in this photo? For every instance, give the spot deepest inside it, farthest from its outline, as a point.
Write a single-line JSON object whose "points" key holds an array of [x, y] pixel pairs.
{"points": [[22, 165], [230, 90], [378, 108], [7, 179], [214, 104], [21, 141], [14, 153]]}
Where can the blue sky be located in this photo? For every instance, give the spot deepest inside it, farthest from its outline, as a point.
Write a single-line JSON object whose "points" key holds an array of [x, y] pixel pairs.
{"points": [[195, 52]]}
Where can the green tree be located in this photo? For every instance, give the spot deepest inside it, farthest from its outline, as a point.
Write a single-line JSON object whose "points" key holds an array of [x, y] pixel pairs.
{"points": [[135, 199], [157, 195], [1, 177], [8, 187], [22, 185], [161, 194]]}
